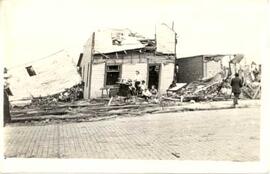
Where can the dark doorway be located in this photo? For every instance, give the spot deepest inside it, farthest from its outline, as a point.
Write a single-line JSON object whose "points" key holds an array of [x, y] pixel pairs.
{"points": [[153, 72]]}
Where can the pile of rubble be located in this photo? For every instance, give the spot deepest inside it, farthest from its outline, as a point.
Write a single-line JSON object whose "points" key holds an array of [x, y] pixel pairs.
{"points": [[219, 88], [69, 95], [209, 89], [252, 84]]}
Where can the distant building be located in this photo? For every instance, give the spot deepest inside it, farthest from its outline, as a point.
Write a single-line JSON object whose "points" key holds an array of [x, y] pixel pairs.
{"points": [[198, 67], [114, 54]]}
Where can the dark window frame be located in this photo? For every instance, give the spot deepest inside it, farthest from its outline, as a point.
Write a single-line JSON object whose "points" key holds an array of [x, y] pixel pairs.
{"points": [[108, 70]]}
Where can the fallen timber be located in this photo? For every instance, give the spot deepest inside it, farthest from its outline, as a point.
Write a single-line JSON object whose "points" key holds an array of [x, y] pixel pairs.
{"points": [[80, 114], [80, 111]]}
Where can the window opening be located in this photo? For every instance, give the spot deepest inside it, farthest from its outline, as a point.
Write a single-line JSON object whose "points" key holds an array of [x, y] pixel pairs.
{"points": [[31, 71]]}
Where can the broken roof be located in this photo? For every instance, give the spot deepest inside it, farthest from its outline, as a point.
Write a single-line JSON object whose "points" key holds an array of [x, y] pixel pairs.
{"points": [[237, 58], [46, 76], [205, 56], [114, 40]]}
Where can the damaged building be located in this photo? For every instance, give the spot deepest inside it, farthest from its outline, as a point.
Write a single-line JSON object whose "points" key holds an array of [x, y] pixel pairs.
{"points": [[208, 77], [189, 69], [44, 77], [114, 54], [203, 67]]}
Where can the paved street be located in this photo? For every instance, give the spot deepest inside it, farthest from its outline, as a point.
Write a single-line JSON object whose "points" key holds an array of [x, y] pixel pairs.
{"points": [[231, 134]]}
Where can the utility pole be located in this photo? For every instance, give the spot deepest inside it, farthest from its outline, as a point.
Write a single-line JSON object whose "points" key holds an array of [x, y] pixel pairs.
{"points": [[6, 116]]}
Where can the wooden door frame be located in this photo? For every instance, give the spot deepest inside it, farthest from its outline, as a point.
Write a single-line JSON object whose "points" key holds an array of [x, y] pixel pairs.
{"points": [[159, 73]]}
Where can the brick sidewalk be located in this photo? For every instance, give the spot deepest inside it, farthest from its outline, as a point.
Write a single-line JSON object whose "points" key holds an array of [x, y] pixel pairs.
{"points": [[198, 135]]}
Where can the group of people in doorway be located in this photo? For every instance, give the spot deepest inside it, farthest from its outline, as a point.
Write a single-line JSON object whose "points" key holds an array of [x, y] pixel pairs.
{"points": [[138, 87]]}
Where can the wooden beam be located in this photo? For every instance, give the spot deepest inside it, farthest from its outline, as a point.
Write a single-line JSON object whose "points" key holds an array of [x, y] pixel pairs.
{"points": [[257, 92], [91, 63]]}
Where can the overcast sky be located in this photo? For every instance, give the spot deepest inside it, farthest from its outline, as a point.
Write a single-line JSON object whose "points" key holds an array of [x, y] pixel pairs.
{"points": [[36, 28]]}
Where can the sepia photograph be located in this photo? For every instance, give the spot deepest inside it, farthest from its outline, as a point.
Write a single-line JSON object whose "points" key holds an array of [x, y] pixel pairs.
{"points": [[155, 81]]}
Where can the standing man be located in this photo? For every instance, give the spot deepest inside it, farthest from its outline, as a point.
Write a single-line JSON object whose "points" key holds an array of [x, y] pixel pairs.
{"points": [[137, 81], [138, 77], [236, 84]]}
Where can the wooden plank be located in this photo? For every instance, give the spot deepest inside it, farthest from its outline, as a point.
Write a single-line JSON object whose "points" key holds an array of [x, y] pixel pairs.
{"points": [[110, 101], [257, 92], [247, 94], [171, 99]]}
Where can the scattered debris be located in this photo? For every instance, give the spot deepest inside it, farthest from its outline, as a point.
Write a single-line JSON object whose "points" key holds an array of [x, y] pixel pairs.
{"points": [[51, 89], [203, 90], [218, 87], [177, 155], [69, 95]]}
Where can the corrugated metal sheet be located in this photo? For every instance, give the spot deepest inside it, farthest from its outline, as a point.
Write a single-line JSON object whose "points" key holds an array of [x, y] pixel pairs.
{"points": [[54, 74]]}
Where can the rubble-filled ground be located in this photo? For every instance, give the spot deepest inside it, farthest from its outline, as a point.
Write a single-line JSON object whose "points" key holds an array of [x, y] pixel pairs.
{"points": [[69, 106], [95, 110], [218, 88], [228, 135]]}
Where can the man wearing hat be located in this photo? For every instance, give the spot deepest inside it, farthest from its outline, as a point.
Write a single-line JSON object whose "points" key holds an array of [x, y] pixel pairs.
{"points": [[236, 84]]}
